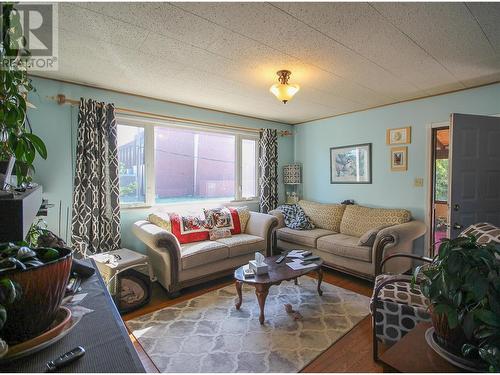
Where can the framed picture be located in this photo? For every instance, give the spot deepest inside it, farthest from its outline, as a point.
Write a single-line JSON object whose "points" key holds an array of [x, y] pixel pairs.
{"points": [[399, 158], [399, 136], [351, 164]]}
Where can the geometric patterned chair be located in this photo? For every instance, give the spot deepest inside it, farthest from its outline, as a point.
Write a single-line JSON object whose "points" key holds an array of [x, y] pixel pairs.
{"points": [[397, 308]]}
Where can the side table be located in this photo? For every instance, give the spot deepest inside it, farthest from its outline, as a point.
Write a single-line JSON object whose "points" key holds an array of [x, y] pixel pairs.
{"points": [[112, 263], [413, 354]]}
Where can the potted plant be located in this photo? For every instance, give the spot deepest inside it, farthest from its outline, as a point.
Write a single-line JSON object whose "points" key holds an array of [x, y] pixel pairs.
{"points": [[16, 137], [463, 287], [32, 285]]}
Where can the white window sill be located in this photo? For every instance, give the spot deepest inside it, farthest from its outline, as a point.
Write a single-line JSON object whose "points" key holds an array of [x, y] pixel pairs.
{"points": [[188, 206]]}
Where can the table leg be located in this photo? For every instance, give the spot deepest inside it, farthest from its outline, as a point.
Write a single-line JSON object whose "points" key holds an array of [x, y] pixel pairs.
{"points": [[296, 281], [238, 285], [320, 279], [261, 290]]}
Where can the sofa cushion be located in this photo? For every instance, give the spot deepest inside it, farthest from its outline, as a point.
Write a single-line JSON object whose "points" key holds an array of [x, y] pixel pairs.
{"points": [[241, 244], [357, 220], [302, 237], [345, 246], [199, 253], [325, 216]]}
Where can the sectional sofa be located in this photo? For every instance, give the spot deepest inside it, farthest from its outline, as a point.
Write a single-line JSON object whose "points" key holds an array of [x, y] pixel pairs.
{"points": [[353, 238]]}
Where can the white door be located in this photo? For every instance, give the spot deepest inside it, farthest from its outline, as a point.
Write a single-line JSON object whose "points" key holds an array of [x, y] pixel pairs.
{"points": [[474, 172]]}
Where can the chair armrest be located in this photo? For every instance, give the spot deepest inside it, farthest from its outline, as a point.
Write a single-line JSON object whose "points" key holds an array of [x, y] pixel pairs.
{"points": [[278, 215], [262, 225], [396, 238], [404, 255], [164, 251]]}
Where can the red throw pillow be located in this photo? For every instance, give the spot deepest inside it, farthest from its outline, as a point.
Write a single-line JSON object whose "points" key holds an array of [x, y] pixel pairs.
{"points": [[188, 228]]}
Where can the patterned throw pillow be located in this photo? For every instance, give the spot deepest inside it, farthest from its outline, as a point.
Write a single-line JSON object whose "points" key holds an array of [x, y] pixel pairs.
{"points": [[244, 215], [222, 218], [188, 228], [218, 233], [295, 218], [162, 220]]}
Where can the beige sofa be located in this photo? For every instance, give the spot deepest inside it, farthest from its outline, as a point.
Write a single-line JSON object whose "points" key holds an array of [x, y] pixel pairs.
{"points": [[177, 266], [339, 229]]}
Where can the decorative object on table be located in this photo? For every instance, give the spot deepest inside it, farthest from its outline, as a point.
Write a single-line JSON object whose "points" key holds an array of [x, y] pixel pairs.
{"points": [[95, 223], [398, 136], [295, 217], [258, 266], [111, 265], [268, 170], [283, 90], [461, 284], [351, 164], [243, 345], [34, 305], [399, 159], [16, 135], [292, 176]]}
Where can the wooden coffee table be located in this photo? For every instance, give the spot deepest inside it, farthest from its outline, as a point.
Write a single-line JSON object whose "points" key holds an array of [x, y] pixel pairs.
{"points": [[277, 273]]}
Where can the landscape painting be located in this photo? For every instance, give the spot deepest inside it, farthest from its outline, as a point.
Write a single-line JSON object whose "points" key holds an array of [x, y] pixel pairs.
{"points": [[351, 164]]}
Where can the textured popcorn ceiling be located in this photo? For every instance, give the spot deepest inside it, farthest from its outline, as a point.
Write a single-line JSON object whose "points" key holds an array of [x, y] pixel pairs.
{"points": [[224, 56]]}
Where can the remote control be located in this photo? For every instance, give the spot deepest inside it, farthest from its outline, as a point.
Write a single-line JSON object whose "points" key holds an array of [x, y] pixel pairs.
{"points": [[280, 259], [306, 253], [312, 257], [66, 359]]}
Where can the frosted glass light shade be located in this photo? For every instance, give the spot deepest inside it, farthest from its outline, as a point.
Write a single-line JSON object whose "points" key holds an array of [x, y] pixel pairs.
{"points": [[284, 92]]}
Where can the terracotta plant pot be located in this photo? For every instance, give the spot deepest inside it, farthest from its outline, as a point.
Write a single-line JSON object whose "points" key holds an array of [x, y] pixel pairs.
{"points": [[450, 339], [42, 292]]}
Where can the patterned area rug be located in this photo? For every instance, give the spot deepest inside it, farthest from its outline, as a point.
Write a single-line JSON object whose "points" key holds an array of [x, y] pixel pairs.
{"points": [[208, 334]]}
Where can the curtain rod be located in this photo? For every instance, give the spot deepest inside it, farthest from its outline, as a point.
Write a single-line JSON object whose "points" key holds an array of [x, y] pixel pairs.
{"points": [[61, 100]]}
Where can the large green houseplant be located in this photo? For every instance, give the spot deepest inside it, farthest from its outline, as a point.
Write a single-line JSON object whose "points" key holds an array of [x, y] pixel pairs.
{"points": [[16, 137], [463, 287]]}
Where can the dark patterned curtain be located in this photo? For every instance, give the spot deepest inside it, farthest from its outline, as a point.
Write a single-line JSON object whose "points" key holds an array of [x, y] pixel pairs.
{"points": [[95, 225], [268, 170]]}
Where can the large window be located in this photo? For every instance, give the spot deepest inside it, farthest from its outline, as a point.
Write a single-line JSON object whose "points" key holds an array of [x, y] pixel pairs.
{"points": [[168, 164]]}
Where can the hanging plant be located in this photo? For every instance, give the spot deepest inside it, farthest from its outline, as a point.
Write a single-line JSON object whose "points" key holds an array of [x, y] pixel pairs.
{"points": [[16, 136]]}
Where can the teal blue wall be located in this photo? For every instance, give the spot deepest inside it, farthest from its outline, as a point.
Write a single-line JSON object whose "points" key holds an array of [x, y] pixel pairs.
{"points": [[389, 189], [57, 125]]}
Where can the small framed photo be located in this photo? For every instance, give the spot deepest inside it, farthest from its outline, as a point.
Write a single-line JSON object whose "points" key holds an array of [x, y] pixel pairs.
{"points": [[399, 159], [351, 164], [399, 136]]}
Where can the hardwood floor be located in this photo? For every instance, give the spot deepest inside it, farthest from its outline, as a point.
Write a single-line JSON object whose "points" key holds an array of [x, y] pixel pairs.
{"points": [[352, 353]]}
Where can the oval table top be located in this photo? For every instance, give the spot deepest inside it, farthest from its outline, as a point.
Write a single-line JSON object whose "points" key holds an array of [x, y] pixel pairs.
{"points": [[276, 272]]}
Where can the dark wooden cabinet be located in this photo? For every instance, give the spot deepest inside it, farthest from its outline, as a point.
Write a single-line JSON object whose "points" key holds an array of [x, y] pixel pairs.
{"points": [[17, 214]]}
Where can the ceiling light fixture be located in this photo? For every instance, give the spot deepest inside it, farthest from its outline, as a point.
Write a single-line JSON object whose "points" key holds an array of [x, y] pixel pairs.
{"points": [[283, 90]]}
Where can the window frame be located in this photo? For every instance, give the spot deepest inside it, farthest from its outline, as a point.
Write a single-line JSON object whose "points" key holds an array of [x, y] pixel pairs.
{"points": [[149, 124]]}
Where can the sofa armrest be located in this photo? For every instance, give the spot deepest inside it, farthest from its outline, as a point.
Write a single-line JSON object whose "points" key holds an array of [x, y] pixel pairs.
{"points": [[262, 225], [278, 215], [396, 239], [164, 252]]}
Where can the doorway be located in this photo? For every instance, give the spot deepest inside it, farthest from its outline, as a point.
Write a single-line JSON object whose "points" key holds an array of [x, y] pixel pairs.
{"points": [[440, 187]]}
